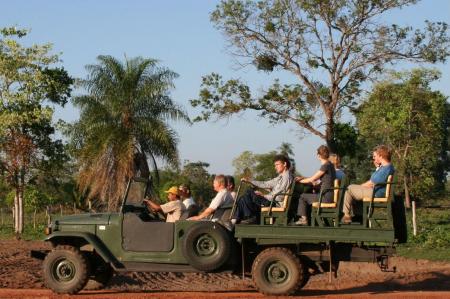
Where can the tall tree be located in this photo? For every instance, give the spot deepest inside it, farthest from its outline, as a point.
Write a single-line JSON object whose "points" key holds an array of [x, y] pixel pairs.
{"points": [[260, 166], [28, 83], [404, 113], [123, 124], [331, 47]]}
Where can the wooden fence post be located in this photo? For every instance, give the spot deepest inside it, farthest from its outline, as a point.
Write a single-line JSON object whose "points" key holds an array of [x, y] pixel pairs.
{"points": [[47, 214], [414, 218]]}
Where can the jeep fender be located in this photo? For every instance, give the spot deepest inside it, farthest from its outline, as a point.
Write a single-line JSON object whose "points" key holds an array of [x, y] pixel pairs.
{"points": [[82, 238]]}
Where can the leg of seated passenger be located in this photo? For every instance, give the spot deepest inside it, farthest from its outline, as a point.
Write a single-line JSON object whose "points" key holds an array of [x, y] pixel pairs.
{"points": [[246, 206], [305, 199], [354, 192]]}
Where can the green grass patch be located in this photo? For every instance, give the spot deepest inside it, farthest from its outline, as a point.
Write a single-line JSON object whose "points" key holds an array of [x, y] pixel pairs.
{"points": [[432, 241], [29, 233]]}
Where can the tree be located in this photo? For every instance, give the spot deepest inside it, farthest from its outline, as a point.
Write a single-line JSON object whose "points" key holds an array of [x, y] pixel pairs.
{"points": [[200, 180], [244, 164], [404, 113], [123, 125], [331, 47], [260, 166], [28, 82]]}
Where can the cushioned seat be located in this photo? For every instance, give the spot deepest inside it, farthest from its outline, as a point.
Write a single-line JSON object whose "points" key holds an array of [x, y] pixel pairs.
{"points": [[279, 215], [335, 198], [327, 213], [373, 207], [386, 195], [324, 205], [282, 208], [376, 199]]}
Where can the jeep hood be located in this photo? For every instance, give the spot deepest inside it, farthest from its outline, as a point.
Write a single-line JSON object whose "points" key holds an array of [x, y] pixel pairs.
{"points": [[100, 218]]}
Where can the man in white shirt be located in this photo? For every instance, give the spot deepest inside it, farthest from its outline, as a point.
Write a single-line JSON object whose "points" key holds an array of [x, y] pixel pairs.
{"points": [[222, 198], [185, 195], [173, 209]]}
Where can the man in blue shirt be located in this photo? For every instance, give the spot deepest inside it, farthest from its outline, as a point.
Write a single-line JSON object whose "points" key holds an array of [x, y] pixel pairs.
{"points": [[382, 157]]}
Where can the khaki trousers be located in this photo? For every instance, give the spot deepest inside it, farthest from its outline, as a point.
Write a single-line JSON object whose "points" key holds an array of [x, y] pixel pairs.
{"points": [[355, 192]]}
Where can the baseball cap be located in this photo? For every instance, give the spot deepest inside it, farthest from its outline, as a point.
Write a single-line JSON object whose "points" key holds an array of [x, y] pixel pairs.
{"points": [[173, 190]]}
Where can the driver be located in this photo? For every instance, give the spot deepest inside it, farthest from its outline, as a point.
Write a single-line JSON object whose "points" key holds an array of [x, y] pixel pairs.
{"points": [[173, 209]]}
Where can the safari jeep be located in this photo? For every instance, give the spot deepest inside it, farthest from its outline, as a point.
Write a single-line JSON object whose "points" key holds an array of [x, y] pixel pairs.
{"points": [[89, 248]]}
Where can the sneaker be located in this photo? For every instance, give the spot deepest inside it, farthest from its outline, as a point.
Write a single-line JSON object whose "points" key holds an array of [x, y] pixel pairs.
{"points": [[347, 219], [302, 221]]}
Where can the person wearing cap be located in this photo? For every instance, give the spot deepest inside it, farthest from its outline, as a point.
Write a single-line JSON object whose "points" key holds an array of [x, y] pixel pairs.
{"points": [[172, 209]]}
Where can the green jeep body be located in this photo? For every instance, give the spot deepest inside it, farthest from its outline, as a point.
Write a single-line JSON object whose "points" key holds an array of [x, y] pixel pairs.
{"points": [[280, 257]]}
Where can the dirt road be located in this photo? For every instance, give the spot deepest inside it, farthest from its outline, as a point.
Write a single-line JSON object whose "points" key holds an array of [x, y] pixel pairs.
{"points": [[21, 277]]}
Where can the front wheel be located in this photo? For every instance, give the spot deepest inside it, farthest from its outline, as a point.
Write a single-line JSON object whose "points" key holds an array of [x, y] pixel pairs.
{"points": [[66, 270], [277, 271], [206, 246]]}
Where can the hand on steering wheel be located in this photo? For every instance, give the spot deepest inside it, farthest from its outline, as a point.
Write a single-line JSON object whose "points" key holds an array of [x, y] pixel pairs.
{"points": [[156, 213]]}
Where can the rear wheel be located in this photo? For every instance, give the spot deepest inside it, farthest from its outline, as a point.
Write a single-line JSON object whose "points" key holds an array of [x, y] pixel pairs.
{"points": [[66, 270], [278, 271]]}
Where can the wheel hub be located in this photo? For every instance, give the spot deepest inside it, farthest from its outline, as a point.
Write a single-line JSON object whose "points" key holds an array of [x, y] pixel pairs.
{"points": [[64, 270], [277, 273], [205, 245]]}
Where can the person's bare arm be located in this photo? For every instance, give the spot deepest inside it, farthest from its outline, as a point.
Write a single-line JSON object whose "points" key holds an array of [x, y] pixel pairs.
{"points": [[313, 178], [369, 183], [154, 206], [204, 214]]}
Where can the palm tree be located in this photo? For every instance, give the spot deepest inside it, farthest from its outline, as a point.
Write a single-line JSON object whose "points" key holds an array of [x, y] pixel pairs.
{"points": [[123, 125]]}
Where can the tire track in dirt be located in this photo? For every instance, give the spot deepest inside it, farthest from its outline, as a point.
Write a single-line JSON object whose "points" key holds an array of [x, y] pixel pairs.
{"points": [[19, 271]]}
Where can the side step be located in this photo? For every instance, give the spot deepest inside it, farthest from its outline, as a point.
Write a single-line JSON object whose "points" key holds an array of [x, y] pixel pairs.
{"points": [[154, 267]]}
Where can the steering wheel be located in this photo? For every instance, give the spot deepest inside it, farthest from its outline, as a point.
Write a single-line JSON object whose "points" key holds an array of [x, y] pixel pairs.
{"points": [[154, 214]]}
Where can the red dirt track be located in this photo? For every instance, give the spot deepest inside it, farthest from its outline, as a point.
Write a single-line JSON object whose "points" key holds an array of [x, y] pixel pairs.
{"points": [[21, 277]]}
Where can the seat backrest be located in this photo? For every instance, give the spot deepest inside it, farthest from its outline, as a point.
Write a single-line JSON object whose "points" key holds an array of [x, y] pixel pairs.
{"points": [[336, 190], [389, 185], [288, 195]]}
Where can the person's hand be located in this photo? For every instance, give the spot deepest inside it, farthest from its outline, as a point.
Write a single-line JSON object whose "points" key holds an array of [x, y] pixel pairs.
{"points": [[298, 179], [258, 193], [192, 218]]}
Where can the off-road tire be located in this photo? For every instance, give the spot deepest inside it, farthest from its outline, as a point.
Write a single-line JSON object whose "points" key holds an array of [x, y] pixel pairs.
{"points": [[66, 270], [206, 246], [277, 271]]}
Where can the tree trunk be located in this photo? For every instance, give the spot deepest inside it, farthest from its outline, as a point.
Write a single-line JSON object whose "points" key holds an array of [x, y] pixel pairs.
{"points": [[407, 197], [329, 136]]}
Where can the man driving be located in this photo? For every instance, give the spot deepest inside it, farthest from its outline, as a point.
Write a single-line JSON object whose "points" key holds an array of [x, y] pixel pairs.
{"points": [[172, 209]]}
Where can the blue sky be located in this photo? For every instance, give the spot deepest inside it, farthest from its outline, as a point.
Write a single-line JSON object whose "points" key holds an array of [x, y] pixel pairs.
{"points": [[180, 35]]}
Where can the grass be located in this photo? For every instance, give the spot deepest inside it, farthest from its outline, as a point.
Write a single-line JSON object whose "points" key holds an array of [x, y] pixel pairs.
{"points": [[30, 233], [433, 235]]}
